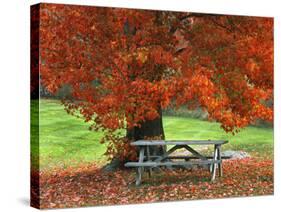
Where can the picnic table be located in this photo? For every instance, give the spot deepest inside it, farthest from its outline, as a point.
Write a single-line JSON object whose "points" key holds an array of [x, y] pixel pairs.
{"points": [[147, 161]]}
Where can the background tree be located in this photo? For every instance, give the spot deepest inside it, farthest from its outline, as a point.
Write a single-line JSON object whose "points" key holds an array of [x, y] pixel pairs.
{"points": [[124, 66]]}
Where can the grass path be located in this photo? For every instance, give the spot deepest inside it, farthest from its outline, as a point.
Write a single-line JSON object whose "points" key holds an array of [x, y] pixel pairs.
{"points": [[66, 141]]}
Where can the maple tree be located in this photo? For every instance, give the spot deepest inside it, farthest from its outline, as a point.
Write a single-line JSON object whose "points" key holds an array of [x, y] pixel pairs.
{"points": [[124, 66]]}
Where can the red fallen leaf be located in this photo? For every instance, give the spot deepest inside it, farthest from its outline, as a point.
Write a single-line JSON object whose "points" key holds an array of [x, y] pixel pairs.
{"points": [[76, 199], [93, 187], [52, 204], [193, 189]]}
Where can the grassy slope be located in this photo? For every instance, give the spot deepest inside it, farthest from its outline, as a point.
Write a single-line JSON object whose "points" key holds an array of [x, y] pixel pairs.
{"points": [[66, 140]]}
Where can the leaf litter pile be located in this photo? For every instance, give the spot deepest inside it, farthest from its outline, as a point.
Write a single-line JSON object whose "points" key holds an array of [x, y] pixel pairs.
{"points": [[89, 186]]}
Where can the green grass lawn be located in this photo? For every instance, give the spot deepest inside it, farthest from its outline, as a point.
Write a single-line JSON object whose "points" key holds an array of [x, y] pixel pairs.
{"points": [[256, 140], [66, 141]]}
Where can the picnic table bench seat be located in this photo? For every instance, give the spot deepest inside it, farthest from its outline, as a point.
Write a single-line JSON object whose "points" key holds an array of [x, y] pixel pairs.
{"points": [[156, 164], [147, 161]]}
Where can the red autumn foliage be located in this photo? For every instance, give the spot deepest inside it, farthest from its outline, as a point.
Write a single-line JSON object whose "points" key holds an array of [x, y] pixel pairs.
{"points": [[88, 185], [123, 64]]}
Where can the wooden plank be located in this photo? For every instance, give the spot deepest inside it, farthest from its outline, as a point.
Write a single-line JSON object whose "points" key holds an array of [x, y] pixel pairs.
{"points": [[220, 158], [194, 152], [190, 157], [214, 166], [140, 169], [169, 163], [148, 159], [177, 142], [166, 154]]}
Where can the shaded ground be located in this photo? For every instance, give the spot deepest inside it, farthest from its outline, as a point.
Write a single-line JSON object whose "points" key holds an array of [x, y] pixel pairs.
{"points": [[88, 186]]}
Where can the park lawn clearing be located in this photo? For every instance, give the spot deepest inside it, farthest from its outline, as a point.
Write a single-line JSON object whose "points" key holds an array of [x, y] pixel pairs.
{"points": [[65, 140]]}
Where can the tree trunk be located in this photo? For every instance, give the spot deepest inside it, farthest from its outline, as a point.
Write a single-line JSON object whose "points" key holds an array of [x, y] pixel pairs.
{"points": [[149, 129], [153, 128]]}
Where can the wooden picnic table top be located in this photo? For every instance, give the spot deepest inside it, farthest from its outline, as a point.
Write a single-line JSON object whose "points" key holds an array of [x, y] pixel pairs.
{"points": [[177, 142]]}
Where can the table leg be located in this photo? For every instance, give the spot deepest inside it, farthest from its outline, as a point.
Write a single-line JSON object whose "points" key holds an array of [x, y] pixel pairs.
{"points": [[148, 159], [219, 158], [214, 166], [140, 169], [211, 168], [196, 154]]}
